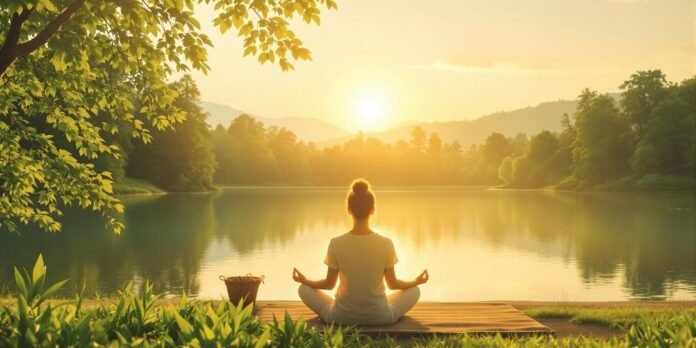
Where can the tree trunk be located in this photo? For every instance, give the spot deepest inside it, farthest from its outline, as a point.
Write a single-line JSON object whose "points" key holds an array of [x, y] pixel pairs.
{"points": [[12, 50]]}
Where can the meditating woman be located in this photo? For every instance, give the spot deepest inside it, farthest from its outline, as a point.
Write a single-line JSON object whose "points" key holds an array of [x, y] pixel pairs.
{"points": [[362, 259]]}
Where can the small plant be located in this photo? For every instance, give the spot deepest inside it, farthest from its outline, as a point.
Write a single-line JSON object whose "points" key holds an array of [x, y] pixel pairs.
{"points": [[676, 331]]}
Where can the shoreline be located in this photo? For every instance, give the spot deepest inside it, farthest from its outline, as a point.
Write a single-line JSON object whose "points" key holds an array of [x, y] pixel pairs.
{"points": [[519, 304], [385, 188]]}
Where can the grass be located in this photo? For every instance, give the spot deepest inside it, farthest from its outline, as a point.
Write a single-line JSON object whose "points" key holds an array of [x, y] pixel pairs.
{"points": [[132, 186], [134, 319], [621, 318]]}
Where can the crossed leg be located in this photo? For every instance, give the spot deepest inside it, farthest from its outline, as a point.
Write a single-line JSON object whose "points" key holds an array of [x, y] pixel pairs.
{"points": [[317, 300], [402, 301]]}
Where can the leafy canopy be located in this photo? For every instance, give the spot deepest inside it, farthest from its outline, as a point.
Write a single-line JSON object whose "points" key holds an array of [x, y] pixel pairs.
{"points": [[76, 73]]}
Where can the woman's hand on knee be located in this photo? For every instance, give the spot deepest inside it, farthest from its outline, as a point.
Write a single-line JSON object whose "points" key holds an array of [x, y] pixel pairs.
{"points": [[298, 276]]}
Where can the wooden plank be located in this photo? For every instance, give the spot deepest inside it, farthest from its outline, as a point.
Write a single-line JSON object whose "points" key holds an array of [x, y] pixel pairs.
{"points": [[428, 318]]}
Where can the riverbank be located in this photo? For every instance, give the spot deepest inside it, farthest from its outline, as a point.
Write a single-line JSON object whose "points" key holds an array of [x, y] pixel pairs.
{"points": [[634, 183], [133, 186]]}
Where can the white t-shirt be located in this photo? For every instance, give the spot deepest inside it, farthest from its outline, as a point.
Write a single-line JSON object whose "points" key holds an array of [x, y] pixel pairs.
{"points": [[361, 261]]}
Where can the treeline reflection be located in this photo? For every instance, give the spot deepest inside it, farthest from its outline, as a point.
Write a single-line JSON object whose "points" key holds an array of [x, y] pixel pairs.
{"points": [[647, 239]]}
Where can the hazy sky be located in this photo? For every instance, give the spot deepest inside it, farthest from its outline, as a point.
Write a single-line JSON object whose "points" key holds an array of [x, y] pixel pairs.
{"points": [[382, 62]]}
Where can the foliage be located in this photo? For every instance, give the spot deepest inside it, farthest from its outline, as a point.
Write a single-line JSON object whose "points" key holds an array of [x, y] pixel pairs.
{"points": [[131, 186], [601, 145], [642, 92], [505, 170], [666, 182], [251, 154], [244, 154], [649, 143], [568, 183], [599, 148], [666, 139], [179, 159], [134, 319], [140, 319], [74, 74]]}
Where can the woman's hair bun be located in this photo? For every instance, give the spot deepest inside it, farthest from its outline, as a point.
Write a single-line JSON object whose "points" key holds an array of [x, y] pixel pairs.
{"points": [[360, 199], [360, 187]]}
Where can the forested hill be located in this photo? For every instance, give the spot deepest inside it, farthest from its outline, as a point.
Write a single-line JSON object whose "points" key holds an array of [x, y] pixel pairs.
{"points": [[529, 120], [307, 129]]}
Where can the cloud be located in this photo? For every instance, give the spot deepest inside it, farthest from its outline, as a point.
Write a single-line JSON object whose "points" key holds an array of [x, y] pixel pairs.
{"points": [[502, 69]]}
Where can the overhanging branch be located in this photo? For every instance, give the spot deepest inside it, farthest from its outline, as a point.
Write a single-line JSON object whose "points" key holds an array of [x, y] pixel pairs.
{"points": [[12, 50]]}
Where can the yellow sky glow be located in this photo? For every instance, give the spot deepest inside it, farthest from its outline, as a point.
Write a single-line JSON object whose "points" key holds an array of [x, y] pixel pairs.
{"points": [[453, 59]]}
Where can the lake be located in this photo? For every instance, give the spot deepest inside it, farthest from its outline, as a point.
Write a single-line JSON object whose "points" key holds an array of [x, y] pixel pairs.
{"points": [[477, 244]]}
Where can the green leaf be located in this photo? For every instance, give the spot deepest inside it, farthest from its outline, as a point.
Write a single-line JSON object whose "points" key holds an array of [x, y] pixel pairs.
{"points": [[39, 268], [184, 325], [21, 285], [264, 338], [53, 289]]}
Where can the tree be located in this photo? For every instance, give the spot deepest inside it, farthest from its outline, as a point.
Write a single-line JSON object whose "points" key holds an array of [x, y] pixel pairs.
{"points": [[667, 137], [505, 170], [245, 156], [521, 168], [289, 154], [496, 147], [418, 138], [542, 147], [645, 160], [602, 142], [641, 93], [520, 143], [434, 144], [88, 68], [178, 159]]}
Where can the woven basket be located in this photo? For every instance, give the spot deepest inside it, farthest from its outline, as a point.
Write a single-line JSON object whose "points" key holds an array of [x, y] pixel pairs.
{"points": [[242, 287]]}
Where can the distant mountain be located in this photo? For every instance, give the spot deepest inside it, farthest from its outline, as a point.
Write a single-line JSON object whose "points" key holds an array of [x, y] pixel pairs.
{"points": [[529, 120], [307, 129], [220, 114]]}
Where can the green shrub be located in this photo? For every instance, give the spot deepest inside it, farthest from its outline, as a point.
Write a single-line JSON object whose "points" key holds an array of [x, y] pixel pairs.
{"points": [[666, 182], [568, 183], [131, 186], [624, 184]]}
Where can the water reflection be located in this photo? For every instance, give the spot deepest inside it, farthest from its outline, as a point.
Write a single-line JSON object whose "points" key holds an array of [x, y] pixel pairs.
{"points": [[509, 244]]}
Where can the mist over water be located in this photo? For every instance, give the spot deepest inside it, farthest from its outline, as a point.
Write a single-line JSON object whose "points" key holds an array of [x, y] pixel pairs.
{"points": [[477, 244]]}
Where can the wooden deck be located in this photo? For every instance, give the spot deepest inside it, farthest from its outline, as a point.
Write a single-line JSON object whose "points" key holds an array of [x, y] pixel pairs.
{"points": [[428, 318]]}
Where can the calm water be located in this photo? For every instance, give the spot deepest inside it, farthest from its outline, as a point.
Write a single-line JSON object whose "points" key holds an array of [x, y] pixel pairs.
{"points": [[477, 244]]}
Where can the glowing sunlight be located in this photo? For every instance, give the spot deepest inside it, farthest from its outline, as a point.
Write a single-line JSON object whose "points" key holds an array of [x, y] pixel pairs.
{"points": [[370, 111]]}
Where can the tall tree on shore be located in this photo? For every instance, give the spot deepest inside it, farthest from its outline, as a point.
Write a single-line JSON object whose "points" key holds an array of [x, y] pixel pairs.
{"points": [[641, 94], [247, 156], [178, 159], [667, 138], [603, 143], [64, 62]]}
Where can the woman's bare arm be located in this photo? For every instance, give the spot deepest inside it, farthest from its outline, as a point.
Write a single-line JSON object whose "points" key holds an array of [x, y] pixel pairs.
{"points": [[397, 284], [327, 284]]}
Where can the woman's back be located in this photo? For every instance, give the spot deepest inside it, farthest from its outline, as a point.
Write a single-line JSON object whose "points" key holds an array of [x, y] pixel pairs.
{"points": [[360, 260]]}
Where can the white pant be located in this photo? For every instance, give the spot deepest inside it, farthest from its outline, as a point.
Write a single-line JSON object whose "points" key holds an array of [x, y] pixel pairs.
{"points": [[400, 302]]}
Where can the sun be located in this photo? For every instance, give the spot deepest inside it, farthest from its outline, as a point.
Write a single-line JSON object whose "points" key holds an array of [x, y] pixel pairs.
{"points": [[370, 111]]}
